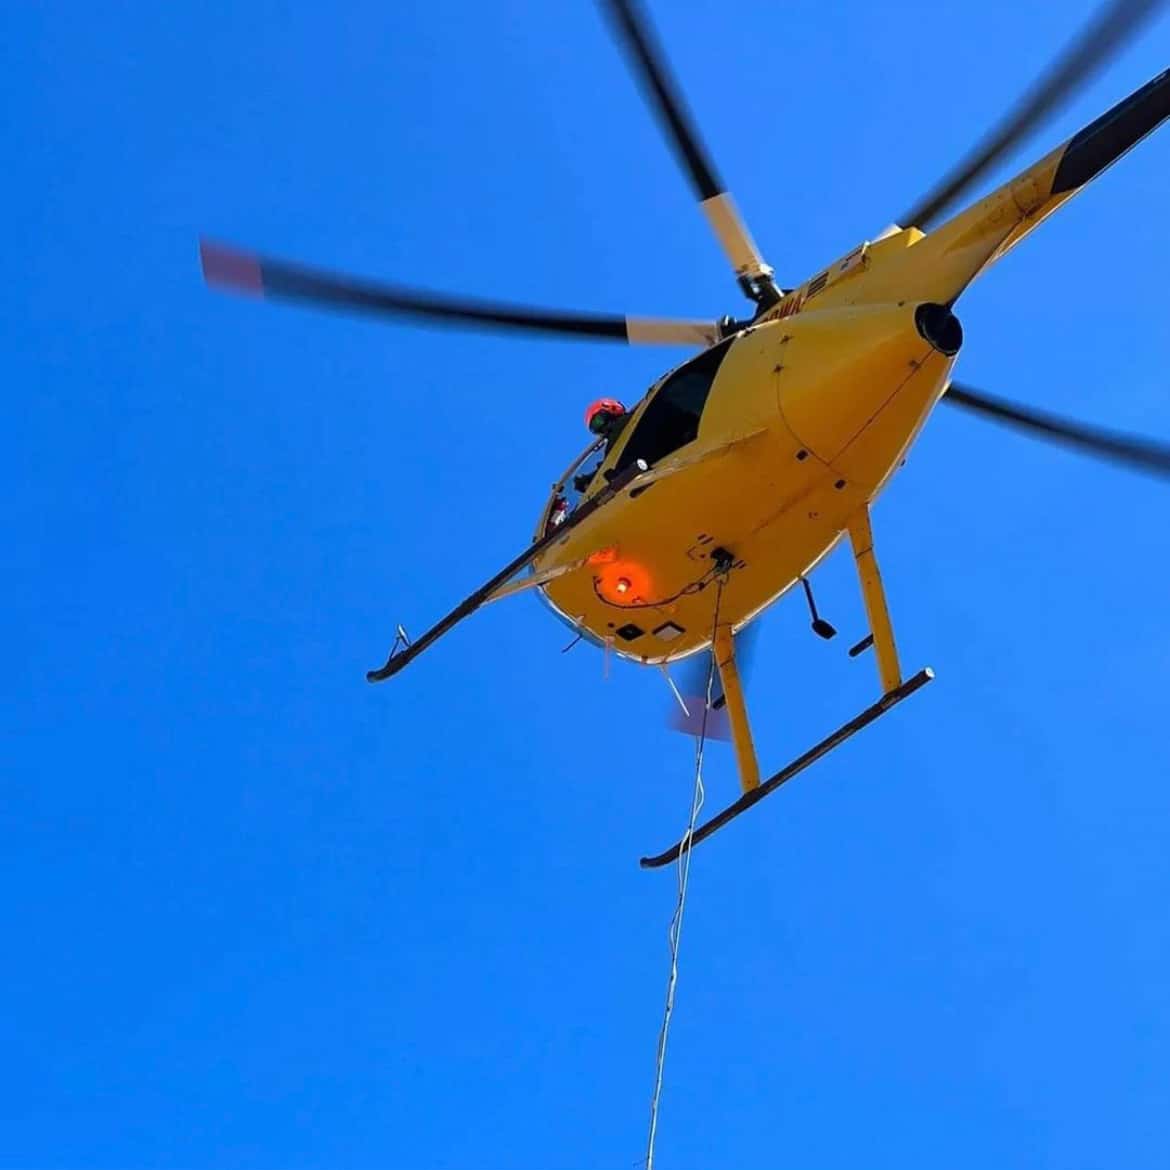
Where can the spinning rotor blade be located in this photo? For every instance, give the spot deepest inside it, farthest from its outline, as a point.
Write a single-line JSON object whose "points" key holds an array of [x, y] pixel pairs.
{"points": [[1114, 24], [691, 687], [1143, 454], [716, 203], [260, 276]]}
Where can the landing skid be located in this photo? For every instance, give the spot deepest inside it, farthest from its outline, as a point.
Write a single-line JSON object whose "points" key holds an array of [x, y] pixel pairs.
{"points": [[754, 795]]}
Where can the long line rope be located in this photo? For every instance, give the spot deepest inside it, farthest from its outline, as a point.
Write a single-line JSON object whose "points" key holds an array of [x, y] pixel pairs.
{"points": [[674, 935]]}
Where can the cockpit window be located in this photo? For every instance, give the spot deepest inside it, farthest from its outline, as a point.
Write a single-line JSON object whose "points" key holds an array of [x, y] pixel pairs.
{"points": [[573, 485], [671, 418]]}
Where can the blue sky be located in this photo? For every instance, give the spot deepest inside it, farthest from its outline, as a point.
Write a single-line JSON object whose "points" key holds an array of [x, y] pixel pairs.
{"points": [[257, 913]]}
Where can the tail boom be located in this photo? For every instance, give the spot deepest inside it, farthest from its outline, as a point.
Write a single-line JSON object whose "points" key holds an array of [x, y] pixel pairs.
{"points": [[939, 266]]}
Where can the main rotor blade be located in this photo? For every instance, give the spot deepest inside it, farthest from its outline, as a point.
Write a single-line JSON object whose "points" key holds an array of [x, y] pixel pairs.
{"points": [[716, 203], [1149, 455], [245, 272], [1114, 24]]}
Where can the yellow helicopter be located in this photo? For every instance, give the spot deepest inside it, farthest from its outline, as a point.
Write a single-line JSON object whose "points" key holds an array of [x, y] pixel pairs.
{"points": [[738, 471]]}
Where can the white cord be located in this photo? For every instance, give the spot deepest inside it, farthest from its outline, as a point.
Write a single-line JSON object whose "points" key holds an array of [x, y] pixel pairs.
{"points": [[675, 933], [674, 689]]}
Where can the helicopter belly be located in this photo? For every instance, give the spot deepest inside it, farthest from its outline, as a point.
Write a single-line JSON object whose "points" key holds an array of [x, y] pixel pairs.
{"points": [[845, 399]]}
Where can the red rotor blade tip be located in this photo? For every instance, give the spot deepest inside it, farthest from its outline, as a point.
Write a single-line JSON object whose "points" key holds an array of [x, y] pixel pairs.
{"points": [[225, 267]]}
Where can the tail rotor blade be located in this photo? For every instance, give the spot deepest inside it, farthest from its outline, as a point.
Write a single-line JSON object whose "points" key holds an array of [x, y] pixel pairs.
{"points": [[691, 686]]}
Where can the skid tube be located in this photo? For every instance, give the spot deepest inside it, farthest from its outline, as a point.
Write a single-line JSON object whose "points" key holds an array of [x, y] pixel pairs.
{"points": [[753, 796], [405, 651]]}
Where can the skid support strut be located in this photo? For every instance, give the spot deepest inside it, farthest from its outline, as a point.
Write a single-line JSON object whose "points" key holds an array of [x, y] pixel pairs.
{"points": [[741, 732], [894, 690], [874, 594]]}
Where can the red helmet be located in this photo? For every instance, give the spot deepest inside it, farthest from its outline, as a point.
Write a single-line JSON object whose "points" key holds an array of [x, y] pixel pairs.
{"points": [[600, 412]]}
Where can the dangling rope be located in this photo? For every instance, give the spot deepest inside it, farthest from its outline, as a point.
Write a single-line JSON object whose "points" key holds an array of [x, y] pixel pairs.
{"points": [[684, 870]]}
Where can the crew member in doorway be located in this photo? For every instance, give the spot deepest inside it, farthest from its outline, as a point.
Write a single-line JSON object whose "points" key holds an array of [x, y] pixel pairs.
{"points": [[606, 418]]}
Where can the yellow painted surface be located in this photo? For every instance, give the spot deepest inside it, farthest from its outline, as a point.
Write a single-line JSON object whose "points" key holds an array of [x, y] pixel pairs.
{"points": [[831, 400], [812, 410], [874, 596], [741, 732]]}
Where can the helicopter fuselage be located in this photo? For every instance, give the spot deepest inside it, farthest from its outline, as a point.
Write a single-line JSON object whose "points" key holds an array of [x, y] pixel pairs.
{"points": [[805, 417]]}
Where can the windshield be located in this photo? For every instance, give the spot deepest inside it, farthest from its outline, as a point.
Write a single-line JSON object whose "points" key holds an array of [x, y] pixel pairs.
{"points": [[570, 489], [671, 417]]}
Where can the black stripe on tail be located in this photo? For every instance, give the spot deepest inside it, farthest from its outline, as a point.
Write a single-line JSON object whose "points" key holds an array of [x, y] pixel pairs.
{"points": [[1111, 135]]}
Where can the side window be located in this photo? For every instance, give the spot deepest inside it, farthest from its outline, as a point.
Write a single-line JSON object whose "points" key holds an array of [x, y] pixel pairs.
{"points": [[671, 417]]}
